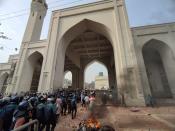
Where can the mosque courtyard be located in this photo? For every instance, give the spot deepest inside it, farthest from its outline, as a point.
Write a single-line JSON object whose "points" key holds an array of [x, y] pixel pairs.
{"points": [[125, 119]]}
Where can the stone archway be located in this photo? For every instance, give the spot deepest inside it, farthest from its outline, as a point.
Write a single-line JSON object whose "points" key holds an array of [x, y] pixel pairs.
{"points": [[158, 59], [101, 80], [35, 60], [67, 81], [3, 82], [31, 73], [83, 42]]}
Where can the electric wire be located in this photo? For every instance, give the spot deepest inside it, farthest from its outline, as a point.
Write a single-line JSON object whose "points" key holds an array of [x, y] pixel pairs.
{"points": [[49, 9], [27, 9]]}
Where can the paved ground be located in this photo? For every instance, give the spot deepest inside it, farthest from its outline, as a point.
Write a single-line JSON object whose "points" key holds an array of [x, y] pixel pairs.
{"points": [[123, 119]]}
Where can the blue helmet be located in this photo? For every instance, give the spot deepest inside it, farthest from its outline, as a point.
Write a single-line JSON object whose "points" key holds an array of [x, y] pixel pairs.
{"points": [[14, 99], [6, 100], [42, 99], [24, 105]]}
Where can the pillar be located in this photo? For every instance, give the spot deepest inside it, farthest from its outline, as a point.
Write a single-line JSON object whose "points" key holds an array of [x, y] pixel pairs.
{"points": [[127, 74], [81, 79], [52, 55]]}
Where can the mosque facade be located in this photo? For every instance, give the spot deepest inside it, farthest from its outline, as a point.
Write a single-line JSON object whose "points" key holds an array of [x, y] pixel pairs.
{"points": [[140, 61]]}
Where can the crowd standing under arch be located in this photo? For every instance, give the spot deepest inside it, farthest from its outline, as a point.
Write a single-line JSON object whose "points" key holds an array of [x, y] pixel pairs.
{"points": [[47, 108]]}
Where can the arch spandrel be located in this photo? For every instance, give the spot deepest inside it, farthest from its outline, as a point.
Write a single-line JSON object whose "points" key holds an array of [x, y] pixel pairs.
{"points": [[104, 17], [32, 52]]}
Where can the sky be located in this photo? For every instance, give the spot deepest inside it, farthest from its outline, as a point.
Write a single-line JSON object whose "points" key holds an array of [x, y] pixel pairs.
{"points": [[91, 71], [14, 15]]}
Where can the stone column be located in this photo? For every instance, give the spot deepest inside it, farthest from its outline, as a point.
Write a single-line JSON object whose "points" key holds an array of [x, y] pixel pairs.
{"points": [[128, 80], [52, 57], [77, 78], [81, 79], [74, 79], [111, 77]]}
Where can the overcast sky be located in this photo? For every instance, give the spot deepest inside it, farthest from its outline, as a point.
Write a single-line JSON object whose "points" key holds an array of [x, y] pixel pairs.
{"points": [[140, 12]]}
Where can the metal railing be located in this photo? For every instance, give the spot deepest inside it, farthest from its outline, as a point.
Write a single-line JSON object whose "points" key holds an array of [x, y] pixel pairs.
{"points": [[28, 126]]}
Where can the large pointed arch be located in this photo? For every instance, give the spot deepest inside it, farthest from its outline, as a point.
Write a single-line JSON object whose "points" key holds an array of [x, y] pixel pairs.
{"points": [[81, 27], [65, 52], [157, 44], [93, 61], [159, 58], [36, 61], [67, 82], [100, 82], [31, 73]]}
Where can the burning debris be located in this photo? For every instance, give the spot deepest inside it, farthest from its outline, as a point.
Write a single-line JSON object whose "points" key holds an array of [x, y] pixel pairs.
{"points": [[89, 125]]}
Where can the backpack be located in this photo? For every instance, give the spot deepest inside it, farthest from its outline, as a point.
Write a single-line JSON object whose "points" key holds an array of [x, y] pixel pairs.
{"points": [[2, 112], [48, 113], [40, 112], [9, 109]]}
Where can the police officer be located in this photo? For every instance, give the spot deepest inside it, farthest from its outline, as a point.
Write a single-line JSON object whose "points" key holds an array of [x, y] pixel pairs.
{"points": [[9, 110], [64, 104], [22, 114], [73, 106], [33, 101], [50, 114], [2, 112], [69, 102], [40, 113]]}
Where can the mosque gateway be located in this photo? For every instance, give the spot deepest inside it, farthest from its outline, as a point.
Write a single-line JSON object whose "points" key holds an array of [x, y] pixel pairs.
{"points": [[140, 61]]}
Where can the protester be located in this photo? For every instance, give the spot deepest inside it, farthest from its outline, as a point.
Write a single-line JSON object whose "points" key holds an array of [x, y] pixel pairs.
{"points": [[92, 104], [59, 107], [64, 105], [74, 107], [82, 99], [86, 100]]}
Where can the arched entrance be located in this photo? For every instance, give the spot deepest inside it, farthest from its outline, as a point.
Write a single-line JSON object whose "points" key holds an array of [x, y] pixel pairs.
{"points": [[35, 60], [158, 59], [81, 44], [67, 82], [3, 82], [96, 76]]}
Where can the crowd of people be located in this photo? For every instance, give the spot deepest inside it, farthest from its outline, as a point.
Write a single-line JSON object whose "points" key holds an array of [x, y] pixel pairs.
{"points": [[17, 110]]}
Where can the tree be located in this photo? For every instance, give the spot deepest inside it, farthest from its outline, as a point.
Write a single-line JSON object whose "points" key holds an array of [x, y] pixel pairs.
{"points": [[3, 36]]}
